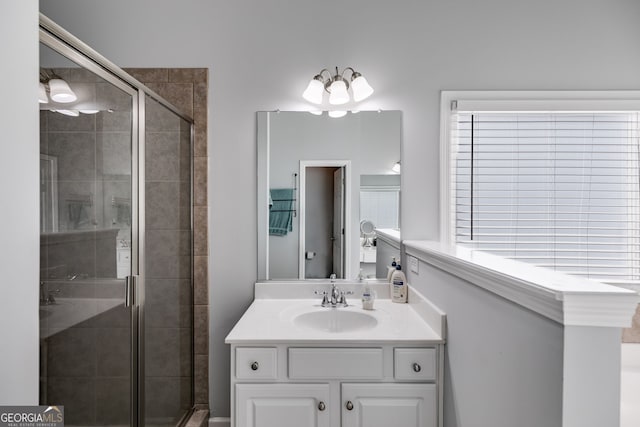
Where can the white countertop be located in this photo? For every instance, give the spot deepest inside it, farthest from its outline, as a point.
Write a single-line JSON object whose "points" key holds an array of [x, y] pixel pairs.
{"points": [[270, 321]]}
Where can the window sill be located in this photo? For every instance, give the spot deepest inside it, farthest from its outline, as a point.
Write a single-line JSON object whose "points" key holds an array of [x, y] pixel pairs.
{"points": [[568, 300]]}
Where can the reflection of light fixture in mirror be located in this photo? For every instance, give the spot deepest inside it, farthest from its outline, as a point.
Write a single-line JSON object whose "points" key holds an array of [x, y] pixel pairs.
{"points": [[60, 91], [42, 94], [316, 112], [396, 167], [338, 87], [72, 113], [89, 111], [336, 114]]}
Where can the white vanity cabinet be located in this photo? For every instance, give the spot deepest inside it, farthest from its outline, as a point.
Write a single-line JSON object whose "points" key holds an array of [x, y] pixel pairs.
{"points": [[336, 386], [282, 405], [384, 405], [295, 363]]}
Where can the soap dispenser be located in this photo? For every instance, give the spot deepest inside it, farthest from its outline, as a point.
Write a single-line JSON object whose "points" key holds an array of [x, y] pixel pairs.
{"points": [[391, 269], [368, 297], [398, 285]]}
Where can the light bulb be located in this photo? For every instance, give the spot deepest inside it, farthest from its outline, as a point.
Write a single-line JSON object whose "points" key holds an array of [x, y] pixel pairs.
{"points": [[71, 113], [336, 114], [361, 88], [42, 96], [61, 92], [89, 111], [339, 94], [313, 92]]}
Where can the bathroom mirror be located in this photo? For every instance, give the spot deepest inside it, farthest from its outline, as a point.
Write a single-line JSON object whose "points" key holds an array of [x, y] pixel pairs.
{"points": [[325, 185]]}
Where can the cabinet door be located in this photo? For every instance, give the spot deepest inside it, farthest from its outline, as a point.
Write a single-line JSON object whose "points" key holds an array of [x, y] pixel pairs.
{"points": [[282, 405], [388, 404]]}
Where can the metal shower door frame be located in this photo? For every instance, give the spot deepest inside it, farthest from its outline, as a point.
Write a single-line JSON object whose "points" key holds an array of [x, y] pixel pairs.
{"points": [[69, 46]]}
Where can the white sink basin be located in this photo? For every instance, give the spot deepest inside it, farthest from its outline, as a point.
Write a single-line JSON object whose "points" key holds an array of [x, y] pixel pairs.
{"points": [[335, 320]]}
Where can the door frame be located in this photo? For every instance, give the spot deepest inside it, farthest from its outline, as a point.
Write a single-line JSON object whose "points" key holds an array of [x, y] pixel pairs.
{"points": [[304, 164]]}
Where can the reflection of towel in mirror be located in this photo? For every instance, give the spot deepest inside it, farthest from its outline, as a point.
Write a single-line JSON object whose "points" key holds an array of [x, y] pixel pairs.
{"points": [[78, 214], [123, 214], [281, 211]]}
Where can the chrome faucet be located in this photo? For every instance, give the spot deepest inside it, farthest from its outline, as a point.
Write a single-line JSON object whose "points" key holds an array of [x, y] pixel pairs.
{"points": [[335, 297]]}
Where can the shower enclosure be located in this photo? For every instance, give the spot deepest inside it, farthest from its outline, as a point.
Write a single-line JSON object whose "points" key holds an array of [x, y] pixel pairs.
{"points": [[116, 264]]}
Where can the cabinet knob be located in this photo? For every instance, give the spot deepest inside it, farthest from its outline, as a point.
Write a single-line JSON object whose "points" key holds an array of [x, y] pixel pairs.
{"points": [[416, 367], [254, 366], [349, 405], [322, 406]]}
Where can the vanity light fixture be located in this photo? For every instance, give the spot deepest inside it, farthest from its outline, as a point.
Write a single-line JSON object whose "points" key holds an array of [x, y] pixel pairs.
{"points": [[337, 87], [59, 90], [336, 114], [42, 94]]}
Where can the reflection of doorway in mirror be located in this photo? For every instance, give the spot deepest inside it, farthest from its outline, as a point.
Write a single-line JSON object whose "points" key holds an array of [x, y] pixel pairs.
{"points": [[323, 219]]}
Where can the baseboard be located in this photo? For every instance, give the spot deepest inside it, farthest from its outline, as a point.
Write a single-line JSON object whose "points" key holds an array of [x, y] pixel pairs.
{"points": [[219, 422]]}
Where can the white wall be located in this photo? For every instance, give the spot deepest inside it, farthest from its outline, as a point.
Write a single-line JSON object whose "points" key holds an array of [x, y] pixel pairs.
{"points": [[503, 363], [262, 53], [19, 168]]}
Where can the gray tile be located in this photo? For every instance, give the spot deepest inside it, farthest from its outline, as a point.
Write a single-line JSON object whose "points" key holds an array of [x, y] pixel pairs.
{"points": [[200, 279], [201, 377], [162, 398], [162, 156], [78, 397], [160, 118], [114, 121], [162, 352], [201, 329], [113, 154], [167, 205], [116, 317], [187, 75], [186, 346], [59, 122], [168, 254], [200, 239], [162, 303], [114, 401], [110, 97], [149, 75], [76, 153], [200, 170], [113, 352], [178, 94], [72, 353]]}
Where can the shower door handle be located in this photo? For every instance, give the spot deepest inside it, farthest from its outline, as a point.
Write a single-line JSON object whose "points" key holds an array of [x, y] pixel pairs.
{"points": [[130, 286]]}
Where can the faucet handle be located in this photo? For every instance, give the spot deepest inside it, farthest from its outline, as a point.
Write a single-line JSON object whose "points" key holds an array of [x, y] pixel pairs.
{"points": [[325, 299]]}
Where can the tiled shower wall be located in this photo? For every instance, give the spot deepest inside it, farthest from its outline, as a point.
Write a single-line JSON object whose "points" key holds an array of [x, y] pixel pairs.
{"points": [[187, 88]]}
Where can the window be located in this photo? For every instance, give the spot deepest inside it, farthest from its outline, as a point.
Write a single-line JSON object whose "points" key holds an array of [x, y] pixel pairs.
{"points": [[558, 188]]}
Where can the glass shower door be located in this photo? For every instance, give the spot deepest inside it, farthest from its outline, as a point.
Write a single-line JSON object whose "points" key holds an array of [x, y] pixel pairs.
{"points": [[88, 229]]}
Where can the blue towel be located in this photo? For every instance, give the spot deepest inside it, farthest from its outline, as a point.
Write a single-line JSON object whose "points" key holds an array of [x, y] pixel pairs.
{"points": [[281, 211]]}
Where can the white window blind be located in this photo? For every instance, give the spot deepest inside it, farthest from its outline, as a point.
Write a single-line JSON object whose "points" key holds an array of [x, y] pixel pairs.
{"points": [[559, 190]]}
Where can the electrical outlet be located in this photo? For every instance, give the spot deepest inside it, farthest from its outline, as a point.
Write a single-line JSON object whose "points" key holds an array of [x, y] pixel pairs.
{"points": [[413, 264]]}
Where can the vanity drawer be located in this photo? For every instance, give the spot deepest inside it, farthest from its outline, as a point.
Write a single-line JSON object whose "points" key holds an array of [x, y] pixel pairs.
{"points": [[335, 363], [256, 363], [414, 364]]}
